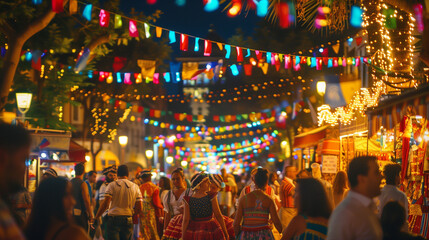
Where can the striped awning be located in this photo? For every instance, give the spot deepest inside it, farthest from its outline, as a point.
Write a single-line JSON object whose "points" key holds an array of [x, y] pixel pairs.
{"points": [[391, 110]]}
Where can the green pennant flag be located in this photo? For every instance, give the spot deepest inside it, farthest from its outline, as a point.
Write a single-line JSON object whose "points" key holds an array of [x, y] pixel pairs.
{"points": [[112, 101], [269, 114], [129, 105], [194, 118], [238, 117], [245, 116], [146, 110], [222, 118], [170, 112], [163, 113]]}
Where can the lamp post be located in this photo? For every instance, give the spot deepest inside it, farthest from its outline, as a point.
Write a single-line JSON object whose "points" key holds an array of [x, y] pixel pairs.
{"points": [[149, 155], [123, 141], [321, 87], [23, 101]]}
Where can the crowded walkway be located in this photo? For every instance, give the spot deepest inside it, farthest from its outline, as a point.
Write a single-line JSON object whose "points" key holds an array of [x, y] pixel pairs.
{"points": [[134, 207]]}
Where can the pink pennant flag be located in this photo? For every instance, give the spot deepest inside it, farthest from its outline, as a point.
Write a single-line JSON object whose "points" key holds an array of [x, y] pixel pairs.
{"points": [[133, 29], [127, 79], [344, 62], [288, 62], [156, 78], [104, 18], [319, 62]]}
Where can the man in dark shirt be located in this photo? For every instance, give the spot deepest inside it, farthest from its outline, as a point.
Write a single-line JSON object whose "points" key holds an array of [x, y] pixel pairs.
{"points": [[82, 211]]}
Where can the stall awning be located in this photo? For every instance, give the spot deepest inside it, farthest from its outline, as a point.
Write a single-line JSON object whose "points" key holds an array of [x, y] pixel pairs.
{"points": [[310, 138], [76, 152], [390, 111]]}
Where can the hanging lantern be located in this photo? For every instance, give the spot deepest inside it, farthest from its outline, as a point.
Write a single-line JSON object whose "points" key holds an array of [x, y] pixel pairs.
{"points": [[234, 70], [104, 18], [262, 8], [228, 51], [235, 8], [211, 5]]}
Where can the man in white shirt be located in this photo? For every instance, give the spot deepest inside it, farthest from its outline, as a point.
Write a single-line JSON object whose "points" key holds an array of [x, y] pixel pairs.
{"points": [[390, 192], [126, 199], [355, 218]]}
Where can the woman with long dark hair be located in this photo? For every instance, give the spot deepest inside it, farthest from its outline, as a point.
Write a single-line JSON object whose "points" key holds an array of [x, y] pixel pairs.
{"points": [[314, 210], [51, 216]]}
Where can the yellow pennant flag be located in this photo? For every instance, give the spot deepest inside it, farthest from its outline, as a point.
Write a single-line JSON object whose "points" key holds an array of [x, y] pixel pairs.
{"points": [[336, 47], [220, 46], [72, 7], [158, 32]]}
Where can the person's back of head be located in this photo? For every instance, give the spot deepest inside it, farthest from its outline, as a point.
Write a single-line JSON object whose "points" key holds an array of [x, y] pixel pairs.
{"points": [[312, 200], [123, 171], [48, 206], [14, 149], [79, 169], [392, 218], [391, 173], [261, 178]]}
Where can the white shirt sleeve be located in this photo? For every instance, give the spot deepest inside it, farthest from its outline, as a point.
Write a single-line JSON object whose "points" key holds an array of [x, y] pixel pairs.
{"points": [[165, 202], [139, 197], [109, 191]]}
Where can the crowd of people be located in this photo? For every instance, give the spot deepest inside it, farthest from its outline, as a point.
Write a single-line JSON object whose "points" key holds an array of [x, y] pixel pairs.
{"points": [[303, 205]]}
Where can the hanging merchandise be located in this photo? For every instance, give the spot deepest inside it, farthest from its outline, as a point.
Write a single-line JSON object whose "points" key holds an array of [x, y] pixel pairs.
{"points": [[175, 71], [87, 12], [234, 70], [104, 18], [321, 18], [418, 13], [132, 27], [197, 45], [389, 18]]}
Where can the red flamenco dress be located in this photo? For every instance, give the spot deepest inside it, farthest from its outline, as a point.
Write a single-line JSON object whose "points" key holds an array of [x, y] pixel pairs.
{"points": [[202, 225]]}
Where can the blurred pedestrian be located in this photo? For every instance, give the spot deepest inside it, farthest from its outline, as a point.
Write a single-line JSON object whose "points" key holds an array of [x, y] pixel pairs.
{"points": [[51, 216], [82, 212], [340, 187], [225, 196], [152, 207], [173, 208], [287, 190], [198, 221], [391, 192], [392, 220], [124, 198], [49, 172], [273, 182], [110, 174], [355, 217], [316, 173], [254, 210], [90, 183], [21, 206], [314, 210], [14, 150], [165, 186], [216, 184], [303, 174]]}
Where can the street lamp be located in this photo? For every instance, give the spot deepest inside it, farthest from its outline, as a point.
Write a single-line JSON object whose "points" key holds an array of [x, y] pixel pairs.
{"points": [[123, 141], [23, 101], [169, 159], [149, 155], [321, 87]]}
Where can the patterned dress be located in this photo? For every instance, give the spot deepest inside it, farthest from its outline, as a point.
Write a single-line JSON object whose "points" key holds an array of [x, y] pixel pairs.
{"points": [[148, 218], [255, 223], [174, 228], [202, 225], [314, 230]]}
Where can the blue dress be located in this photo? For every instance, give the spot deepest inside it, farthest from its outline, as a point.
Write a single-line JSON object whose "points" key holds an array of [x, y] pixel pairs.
{"points": [[314, 230]]}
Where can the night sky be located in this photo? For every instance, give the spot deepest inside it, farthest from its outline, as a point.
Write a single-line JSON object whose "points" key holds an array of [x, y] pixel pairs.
{"points": [[192, 19]]}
